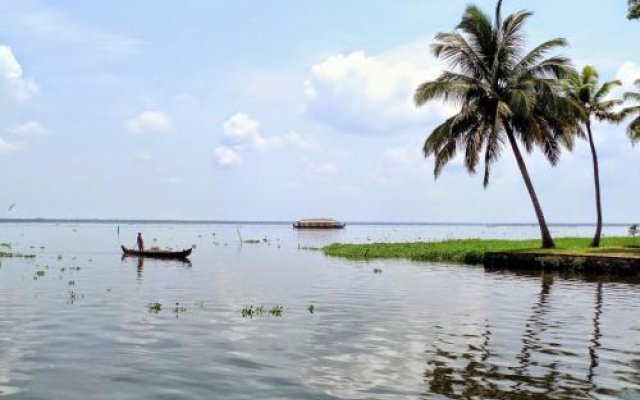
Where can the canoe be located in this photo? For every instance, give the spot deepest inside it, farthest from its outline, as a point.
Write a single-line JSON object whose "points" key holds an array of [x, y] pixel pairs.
{"points": [[153, 253], [318, 223]]}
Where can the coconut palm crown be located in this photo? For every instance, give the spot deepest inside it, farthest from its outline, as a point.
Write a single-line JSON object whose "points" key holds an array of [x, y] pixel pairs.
{"points": [[504, 94], [583, 89], [633, 130]]}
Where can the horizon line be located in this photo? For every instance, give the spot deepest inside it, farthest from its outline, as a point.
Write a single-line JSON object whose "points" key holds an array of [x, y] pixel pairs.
{"points": [[279, 222]]}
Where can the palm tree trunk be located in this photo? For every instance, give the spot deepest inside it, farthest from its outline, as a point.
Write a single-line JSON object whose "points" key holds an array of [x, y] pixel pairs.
{"points": [[596, 178], [547, 241]]}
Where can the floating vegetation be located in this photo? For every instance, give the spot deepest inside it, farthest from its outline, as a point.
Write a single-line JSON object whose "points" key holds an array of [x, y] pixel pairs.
{"points": [[276, 311], [72, 283], [251, 241], [377, 271], [154, 307], [40, 273], [179, 309], [4, 254], [59, 257], [73, 296], [257, 311], [311, 308], [62, 269], [6, 245]]}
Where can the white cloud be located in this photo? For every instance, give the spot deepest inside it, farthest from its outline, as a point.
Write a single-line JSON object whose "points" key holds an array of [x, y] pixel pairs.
{"points": [[302, 142], [227, 156], [241, 134], [13, 85], [242, 130], [358, 93], [628, 73], [29, 128], [9, 147], [149, 121]]}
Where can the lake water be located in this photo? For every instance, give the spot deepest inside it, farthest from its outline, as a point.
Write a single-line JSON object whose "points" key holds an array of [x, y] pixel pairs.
{"points": [[75, 321]]}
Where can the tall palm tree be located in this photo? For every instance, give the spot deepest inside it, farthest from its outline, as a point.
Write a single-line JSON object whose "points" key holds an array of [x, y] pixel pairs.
{"points": [[583, 88], [505, 94], [633, 130]]}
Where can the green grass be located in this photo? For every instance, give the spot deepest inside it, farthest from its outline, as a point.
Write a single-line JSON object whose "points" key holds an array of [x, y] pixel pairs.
{"points": [[471, 251]]}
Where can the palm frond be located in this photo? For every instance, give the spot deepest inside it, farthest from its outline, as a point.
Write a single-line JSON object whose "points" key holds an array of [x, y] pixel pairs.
{"points": [[605, 89]]}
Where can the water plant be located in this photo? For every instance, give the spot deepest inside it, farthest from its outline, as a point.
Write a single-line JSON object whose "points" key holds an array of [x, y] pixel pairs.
{"points": [[178, 308], [377, 271], [73, 296], [276, 311], [251, 311], [472, 251], [311, 308], [154, 307], [251, 241]]}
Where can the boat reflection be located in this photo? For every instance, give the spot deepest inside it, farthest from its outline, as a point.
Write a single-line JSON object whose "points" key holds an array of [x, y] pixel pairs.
{"points": [[140, 262]]}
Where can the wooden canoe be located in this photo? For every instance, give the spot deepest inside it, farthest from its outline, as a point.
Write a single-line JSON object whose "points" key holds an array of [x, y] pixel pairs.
{"points": [[157, 253]]}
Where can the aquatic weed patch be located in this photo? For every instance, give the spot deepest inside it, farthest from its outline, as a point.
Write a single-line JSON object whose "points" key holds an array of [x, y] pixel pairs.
{"points": [[251, 311], [472, 251]]}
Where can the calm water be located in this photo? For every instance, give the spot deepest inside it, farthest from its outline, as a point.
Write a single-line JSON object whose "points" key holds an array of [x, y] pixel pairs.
{"points": [[74, 321]]}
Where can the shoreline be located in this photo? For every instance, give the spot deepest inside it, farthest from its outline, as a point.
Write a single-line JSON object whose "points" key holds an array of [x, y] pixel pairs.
{"points": [[617, 254]]}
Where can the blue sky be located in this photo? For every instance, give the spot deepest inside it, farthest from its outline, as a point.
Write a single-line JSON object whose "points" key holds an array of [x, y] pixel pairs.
{"points": [[273, 111]]}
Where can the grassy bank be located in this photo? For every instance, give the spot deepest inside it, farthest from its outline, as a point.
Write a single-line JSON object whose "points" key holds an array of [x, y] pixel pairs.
{"points": [[471, 251]]}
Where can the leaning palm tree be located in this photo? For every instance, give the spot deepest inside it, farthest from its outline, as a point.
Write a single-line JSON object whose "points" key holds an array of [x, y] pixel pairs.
{"points": [[504, 94], [583, 88], [633, 130]]}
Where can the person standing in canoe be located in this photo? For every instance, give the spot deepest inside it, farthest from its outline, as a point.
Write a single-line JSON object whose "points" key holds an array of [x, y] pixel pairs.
{"points": [[140, 242]]}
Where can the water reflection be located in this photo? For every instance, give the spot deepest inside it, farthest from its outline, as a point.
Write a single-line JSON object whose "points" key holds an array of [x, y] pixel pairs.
{"points": [[140, 263], [546, 366], [595, 341], [140, 267]]}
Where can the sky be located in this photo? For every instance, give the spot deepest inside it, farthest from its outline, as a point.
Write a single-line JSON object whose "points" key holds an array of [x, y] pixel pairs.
{"points": [[279, 110]]}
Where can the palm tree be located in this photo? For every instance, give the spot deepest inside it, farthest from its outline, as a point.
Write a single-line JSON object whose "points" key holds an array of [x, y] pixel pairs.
{"points": [[583, 88], [634, 9], [504, 94], [633, 130]]}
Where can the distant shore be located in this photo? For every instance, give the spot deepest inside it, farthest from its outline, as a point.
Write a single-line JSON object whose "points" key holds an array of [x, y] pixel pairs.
{"points": [[125, 221]]}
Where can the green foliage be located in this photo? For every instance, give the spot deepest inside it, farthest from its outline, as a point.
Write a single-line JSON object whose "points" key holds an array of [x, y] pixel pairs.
{"points": [[498, 86], [633, 230], [633, 111], [583, 87], [467, 251], [251, 311], [634, 9]]}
